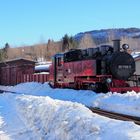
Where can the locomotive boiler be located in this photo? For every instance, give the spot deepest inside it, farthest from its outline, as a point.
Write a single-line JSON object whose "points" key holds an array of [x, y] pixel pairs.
{"points": [[102, 69]]}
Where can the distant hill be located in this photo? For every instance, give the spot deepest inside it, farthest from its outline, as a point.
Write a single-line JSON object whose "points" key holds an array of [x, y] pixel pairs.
{"points": [[105, 35]]}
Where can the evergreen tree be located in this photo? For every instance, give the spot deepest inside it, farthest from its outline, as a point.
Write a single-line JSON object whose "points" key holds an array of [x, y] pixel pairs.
{"points": [[65, 44], [68, 43], [4, 52]]}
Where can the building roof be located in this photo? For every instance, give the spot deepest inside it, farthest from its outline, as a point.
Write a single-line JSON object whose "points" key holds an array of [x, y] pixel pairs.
{"points": [[137, 58], [18, 59]]}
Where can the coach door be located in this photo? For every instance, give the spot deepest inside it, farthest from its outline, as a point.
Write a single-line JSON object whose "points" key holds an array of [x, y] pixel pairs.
{"points": [[59, 69]]}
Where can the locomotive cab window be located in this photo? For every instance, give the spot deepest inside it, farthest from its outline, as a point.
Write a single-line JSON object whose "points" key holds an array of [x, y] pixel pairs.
{"points": [[73, 55], [59, 61]]}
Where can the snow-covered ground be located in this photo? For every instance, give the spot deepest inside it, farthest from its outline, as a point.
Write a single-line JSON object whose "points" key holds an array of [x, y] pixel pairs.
{"points": [[37, 112], [128, 103]]}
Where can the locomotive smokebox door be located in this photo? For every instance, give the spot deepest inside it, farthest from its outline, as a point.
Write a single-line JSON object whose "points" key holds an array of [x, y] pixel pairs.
{"points": [[122, 65]]}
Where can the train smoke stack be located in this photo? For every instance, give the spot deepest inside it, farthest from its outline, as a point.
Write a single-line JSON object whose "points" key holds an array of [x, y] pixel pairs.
{"points": [[116, 45]]}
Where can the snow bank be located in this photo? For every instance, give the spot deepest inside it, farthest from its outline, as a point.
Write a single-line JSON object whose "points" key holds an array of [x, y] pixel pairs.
{"points": [[46, 119], [128, 103], [38, 89]]}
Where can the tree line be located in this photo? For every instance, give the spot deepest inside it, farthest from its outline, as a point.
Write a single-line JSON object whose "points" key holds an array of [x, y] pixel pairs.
{"points": [[44, 51]]}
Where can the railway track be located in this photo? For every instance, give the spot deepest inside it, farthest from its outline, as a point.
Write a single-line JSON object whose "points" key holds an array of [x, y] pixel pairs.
{"points": [[105, 113], [2, 91], [117, 116]]}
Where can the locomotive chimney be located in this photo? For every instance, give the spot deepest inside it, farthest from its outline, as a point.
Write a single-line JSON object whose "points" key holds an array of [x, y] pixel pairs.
{"points": [[116, 45]]}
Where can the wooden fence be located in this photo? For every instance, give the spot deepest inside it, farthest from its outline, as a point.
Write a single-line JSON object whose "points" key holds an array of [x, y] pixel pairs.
{"points": [[41, 78]]}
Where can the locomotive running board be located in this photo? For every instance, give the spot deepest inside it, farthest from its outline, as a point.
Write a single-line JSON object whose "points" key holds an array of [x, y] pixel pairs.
{"points": [[124, 89]]}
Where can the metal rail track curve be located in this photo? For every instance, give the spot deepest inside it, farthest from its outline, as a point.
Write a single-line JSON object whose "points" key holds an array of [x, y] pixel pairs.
{"points": [[117, 116]]}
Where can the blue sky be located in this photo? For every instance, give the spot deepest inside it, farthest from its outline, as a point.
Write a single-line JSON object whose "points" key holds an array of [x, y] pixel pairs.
{"points": [[33, 21]]}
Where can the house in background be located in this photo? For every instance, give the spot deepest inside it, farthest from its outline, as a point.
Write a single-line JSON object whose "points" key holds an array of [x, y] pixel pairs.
{"points": [[11, 71], [137, 60], [136, 56]]}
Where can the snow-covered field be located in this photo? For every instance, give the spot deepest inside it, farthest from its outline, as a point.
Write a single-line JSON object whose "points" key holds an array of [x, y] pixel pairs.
{"points": [[38, 112], [128, 103]]}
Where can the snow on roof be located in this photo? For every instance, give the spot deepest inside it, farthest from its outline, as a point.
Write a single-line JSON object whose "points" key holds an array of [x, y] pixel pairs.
{"points": [[135, 54], [41, 73], [42, 67], [137, 58], [44, 62]]}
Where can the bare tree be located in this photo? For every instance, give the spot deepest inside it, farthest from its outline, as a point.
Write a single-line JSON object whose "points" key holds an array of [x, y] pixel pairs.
{"points": [[86, 42]]}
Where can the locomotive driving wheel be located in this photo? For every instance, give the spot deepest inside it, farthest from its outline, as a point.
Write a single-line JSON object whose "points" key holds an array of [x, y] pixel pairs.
{"points": [[98, 87], [92, 87]]}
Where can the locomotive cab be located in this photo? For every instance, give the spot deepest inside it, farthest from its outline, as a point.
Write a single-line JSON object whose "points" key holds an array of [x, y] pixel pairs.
{"points": [[56, 70]]}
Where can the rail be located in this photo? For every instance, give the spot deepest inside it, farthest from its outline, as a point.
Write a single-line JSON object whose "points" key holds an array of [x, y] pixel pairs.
{"points": [[117, 116]]}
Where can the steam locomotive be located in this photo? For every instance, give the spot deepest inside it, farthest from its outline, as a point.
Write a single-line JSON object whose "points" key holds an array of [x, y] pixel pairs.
{"points": [[102, 69]]}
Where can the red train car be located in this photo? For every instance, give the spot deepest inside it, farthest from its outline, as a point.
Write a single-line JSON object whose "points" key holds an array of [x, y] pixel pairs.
{"points": [[12, 71]]}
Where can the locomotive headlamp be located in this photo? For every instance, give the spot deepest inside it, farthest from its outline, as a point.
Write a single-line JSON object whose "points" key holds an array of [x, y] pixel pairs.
{"points": [[125, 46], [108, 80]]}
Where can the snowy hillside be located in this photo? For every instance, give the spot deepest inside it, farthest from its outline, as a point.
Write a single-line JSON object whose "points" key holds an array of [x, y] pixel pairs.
{"points": [[35, 113], [102, 36]]}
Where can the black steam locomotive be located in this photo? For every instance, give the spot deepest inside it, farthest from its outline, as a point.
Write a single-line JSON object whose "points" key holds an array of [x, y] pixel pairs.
{"points": [[116, 62], [102, 69]]}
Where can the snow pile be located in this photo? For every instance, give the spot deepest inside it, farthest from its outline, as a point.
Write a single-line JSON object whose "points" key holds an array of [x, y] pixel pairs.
{"points": [[42, 118], [33, 88], [128, 103]]}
